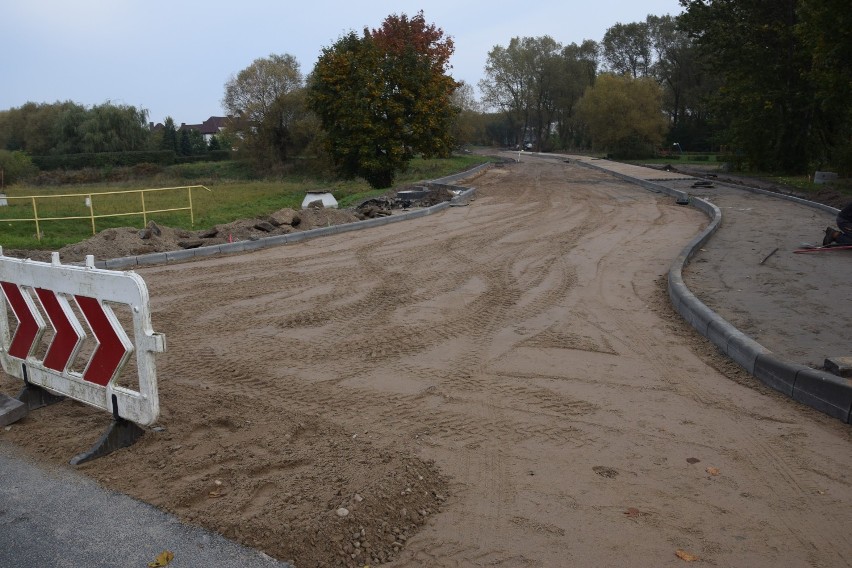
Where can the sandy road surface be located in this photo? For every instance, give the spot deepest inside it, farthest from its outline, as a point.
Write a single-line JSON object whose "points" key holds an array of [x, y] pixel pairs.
{"points": [[513, 362]]}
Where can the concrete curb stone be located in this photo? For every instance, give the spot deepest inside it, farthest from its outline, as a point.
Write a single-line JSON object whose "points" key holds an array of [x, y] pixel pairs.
{"points": [[823, 391], [826, 392], [778, 374], [11, 410], [244, 246]]}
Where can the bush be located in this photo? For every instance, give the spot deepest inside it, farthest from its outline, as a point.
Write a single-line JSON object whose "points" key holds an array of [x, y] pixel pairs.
{"points": [[190, 159], [219, 155], [145, 170], [16, 166], [103, 159], [736, 162], [117, 159], [841, 159], [701, 158], [63, 177]]}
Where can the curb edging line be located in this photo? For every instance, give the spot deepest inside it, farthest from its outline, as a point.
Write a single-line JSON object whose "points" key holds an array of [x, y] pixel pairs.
{"points": [[820, 390], [128, 262]]}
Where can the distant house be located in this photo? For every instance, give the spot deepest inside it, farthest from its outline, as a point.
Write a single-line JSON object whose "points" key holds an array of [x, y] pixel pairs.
{"points": [[208, 128]]}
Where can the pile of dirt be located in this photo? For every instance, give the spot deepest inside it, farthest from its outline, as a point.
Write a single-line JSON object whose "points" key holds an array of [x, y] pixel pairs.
{"points": [[129, 241]]}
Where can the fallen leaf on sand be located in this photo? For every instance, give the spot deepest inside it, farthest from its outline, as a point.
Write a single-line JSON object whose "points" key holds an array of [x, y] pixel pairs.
{"points": [[633, 512], [684, 555], [162, 559], [713, 470]]}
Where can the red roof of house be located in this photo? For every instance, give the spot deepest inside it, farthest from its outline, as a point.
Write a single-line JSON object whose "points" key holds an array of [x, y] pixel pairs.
{"points": [[210, 126], [213, 124]]}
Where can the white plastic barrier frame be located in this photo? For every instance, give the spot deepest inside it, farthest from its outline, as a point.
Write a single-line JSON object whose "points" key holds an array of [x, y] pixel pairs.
{"points": [[54, 284]]}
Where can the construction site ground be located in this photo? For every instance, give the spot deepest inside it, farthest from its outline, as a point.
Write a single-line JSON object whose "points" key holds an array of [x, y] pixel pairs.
{"points": [[499, 384]]}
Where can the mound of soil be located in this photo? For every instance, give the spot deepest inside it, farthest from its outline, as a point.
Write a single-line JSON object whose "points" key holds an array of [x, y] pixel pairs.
{"points": [[129, 241]]}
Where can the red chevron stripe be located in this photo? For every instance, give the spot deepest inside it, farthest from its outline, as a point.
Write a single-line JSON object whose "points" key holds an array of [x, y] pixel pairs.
{"points": [[68, 336], [111, 352], [30, 325]]}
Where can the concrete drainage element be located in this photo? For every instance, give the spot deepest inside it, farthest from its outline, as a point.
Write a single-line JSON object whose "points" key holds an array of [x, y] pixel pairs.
{"points": [[327, 199], [824, 177], [412, 194]]}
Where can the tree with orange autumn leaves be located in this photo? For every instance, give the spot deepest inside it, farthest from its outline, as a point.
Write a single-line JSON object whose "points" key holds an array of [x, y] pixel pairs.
{"points": [[385, 96]]}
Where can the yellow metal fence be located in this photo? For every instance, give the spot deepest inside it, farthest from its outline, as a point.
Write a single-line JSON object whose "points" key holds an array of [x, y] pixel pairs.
{"points": [[90, 205]]}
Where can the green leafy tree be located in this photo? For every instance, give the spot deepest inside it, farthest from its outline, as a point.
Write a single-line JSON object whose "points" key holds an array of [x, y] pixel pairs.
{"points": [[267, 101], [548, 82], [10, 127], [468, 126], [15, 166], [627, 49], [536, 82], [184, 143], [624, 115], [33, 127], [229, 137], [579, 68], [197, 144], [169, 140], [688, 85], [384, 96], [508, 84], [68, 128], [499, 129], [823, 30], [214, 143], [305, 130], [767, 103], [113, 128]]}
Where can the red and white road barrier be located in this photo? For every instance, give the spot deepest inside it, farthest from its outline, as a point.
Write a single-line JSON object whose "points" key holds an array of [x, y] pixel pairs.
{"points": [[34, 290]]}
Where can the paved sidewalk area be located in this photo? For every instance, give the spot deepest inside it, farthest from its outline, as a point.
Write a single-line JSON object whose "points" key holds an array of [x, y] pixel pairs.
{"points": [[796, 305]]}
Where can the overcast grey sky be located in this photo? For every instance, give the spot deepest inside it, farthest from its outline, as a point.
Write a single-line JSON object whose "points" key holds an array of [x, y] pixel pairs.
{"points": [[174, 57]]}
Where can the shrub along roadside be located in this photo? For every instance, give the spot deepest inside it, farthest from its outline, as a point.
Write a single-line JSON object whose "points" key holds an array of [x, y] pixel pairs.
{"points": [[15, 166]]}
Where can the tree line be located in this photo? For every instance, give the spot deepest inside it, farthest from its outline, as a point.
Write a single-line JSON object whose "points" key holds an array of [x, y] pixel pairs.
{"points": [[768, 82], [45, 129]]}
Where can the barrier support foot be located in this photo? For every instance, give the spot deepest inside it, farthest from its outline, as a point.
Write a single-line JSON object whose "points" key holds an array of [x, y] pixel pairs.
{"points": [[35, 397], [120, 434]]}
